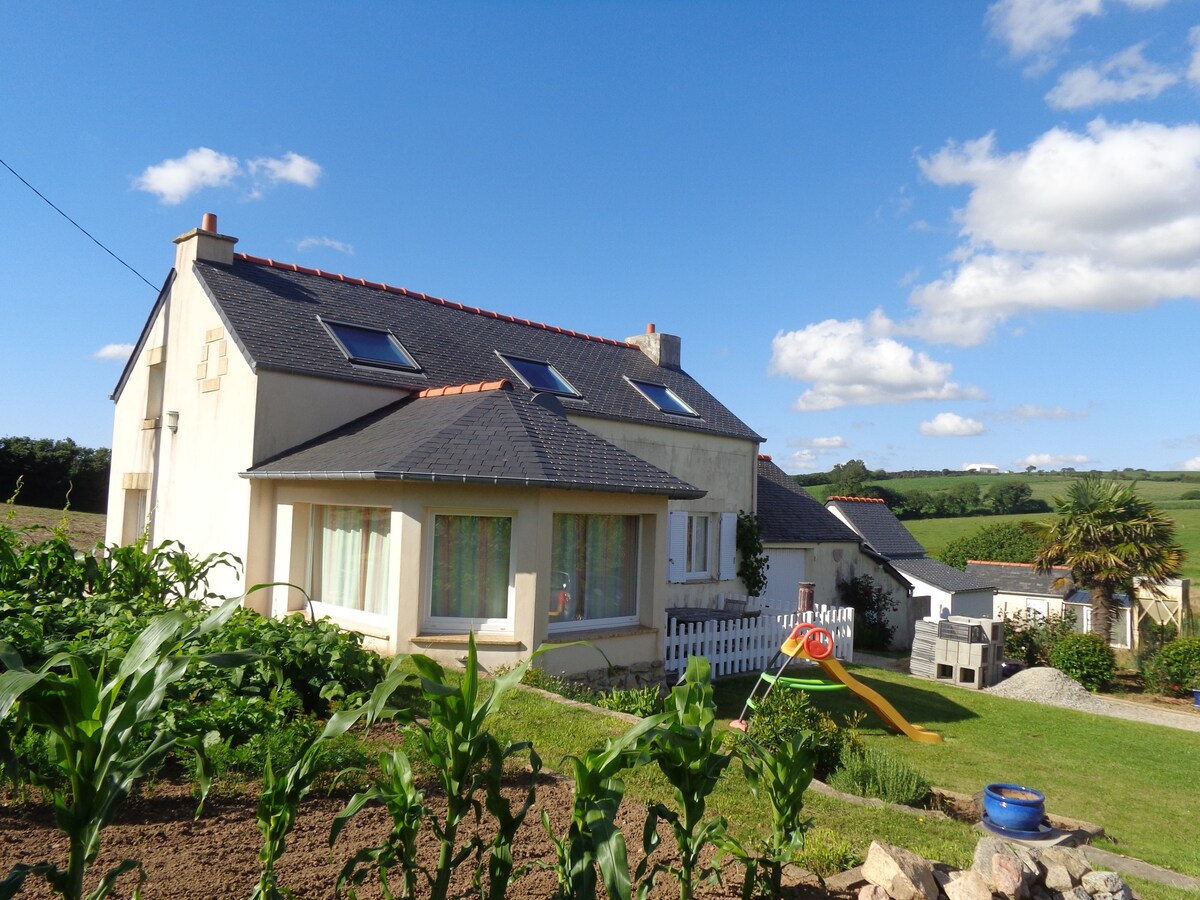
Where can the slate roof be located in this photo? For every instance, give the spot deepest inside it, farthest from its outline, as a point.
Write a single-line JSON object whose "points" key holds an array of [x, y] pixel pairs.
{"points": [[878, 526], [481, 434], [937, 573], [1021, 578], [789, 514], [272, 309]]}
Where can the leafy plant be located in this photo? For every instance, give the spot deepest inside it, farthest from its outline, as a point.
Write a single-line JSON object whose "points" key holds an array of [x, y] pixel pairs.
{"points": [[785, 714], [826, 853], [781, 776], [753, 562], [873, 772], [1176, 668], [1087, 658], [687, 750], [593, 840], [871, 604], [1030, 636], [999, 542], [96, 725], [640, 702]]}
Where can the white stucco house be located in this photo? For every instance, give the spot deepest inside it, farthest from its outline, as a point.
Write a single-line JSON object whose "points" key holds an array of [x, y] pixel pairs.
{"points": [[949, 591], [422, 469]]}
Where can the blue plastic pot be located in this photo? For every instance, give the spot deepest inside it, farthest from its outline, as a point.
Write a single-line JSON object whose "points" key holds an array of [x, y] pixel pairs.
{"points": [[1014, 807], [1196, 697]]}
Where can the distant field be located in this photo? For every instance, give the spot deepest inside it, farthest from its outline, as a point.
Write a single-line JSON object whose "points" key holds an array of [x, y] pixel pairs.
{"points": [[1044, 487], [84, 529]]}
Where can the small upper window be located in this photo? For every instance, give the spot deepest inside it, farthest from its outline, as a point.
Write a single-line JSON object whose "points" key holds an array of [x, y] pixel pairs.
{"points": [[539, 376], [663, 398], [371, 346]]}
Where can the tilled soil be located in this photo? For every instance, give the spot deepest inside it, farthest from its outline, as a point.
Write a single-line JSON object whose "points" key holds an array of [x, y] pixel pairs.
{"points": [[216, 856]]}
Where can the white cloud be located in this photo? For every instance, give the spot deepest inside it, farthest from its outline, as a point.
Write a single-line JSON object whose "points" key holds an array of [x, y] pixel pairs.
{"points": [[310, 242], [804, 459], [1193, 72], [951, 425], [1107, 219], [833, 442], [1053, 461], [119, 352], [1126, 76], [1031, 411], [174, 180], [291, 167], [1192, 465], [1039, 27], [851, 363]]}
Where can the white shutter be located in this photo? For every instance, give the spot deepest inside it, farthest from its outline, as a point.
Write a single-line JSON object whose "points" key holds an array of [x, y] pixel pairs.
{"points": [[676, 546], [728, 546]]}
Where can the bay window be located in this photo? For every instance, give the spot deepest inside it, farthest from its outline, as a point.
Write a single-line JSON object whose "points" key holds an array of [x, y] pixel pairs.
{"points": [[349, 557], [594, 562], [471, 585]]}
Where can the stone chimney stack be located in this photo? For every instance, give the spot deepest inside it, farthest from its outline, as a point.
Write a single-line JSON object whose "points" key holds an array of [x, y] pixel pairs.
{"points": [[203, 243], [663, 349]]}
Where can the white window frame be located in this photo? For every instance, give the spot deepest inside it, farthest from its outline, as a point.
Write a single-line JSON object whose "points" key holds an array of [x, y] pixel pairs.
{"points": [[614, 621], [345, 614], [460, 624]]}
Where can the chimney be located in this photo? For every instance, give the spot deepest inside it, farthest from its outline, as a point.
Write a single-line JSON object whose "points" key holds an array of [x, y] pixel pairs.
{"points": [[203, 243], [663, 349]]}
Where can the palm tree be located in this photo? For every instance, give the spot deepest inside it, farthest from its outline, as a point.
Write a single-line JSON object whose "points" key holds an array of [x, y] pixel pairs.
{"points": [[1108, 536]]}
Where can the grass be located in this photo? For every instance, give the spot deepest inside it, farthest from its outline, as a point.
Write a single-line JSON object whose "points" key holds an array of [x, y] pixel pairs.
{"points": [[1132, 778], [85, 530]]}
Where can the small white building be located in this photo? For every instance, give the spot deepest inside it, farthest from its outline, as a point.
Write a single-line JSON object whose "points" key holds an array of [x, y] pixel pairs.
{"points": [[982, 468]]}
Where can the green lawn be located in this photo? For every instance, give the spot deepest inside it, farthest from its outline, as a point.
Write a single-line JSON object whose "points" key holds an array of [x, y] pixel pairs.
{"points": [[1136, 780]]}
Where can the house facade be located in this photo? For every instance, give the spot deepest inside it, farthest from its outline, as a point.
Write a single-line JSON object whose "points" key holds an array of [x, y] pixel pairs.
{"points": [[418, 469]]}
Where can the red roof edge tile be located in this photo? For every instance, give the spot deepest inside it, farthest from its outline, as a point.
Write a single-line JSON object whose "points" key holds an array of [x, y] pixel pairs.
{"points": [[858, 499], [478, 388], [416, 295], [995, 562], [765, 457]]}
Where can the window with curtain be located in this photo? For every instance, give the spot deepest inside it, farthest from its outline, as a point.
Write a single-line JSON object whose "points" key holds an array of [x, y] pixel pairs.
{"points": [[595, 568], [470, 568], [697, 544], [350, 557]]}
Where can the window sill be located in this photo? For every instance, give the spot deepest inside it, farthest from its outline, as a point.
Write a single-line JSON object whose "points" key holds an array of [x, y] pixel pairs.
{"points": [[460, 640], [610, 631]]}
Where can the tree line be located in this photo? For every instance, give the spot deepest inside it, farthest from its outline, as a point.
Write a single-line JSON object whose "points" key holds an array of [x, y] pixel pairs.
{"points": [[54, 474]]}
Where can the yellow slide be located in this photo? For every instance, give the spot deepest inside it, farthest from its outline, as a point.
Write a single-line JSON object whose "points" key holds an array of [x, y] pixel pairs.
{"points": [[886, 711]]}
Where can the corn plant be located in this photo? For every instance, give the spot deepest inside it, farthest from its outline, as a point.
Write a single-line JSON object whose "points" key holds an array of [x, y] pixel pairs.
{"points": [[97, 725], [466, 757], [688, 752], [781, 775], [281, 796], [405, 802], [593, 840]]}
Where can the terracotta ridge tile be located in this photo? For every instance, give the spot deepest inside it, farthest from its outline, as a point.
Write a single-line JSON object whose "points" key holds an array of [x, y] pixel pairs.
{"points": [[477, 388], [417, 295], [765, 457], [858, 499], [996, 562]]}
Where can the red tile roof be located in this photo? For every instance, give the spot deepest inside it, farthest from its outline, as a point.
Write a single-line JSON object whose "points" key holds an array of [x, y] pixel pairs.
{"points": [[416, 295], [858, 499], [502, 385]]}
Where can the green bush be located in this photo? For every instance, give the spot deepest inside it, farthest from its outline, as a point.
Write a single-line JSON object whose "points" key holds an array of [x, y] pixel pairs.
{"points": [[639, 702], [1085, 657], [1190, 495], [785, 713], [1175, 669], [1030, 636], [871, 603], [827, 853], [874, 772]]}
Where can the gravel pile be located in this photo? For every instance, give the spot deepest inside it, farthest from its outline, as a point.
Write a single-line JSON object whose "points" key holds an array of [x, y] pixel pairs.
{"points": [[1042, 684]]}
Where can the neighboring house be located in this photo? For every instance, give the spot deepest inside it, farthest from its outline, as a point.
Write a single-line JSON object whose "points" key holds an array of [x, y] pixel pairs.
{"points": [[424, 469], [982, 468], [1020, 586], [950, 591], [807, 544]]}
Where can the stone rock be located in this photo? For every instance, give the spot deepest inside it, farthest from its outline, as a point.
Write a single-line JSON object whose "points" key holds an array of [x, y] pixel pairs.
{"points": [[1039, 892], [843, 882], [872, 892], [1070, 858], [900, 872], [985, 850], [1031, 869], [1058, 878], [1008, 876], [969, 885], [943, 878], [1075, 893], [1102, 883]]}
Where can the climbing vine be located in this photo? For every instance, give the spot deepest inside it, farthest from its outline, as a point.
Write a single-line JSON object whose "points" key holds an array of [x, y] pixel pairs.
{"points": [[752, 569]]}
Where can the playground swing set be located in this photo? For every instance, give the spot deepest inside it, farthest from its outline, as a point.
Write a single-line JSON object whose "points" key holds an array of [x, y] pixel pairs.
{"points": [[813, 643]]}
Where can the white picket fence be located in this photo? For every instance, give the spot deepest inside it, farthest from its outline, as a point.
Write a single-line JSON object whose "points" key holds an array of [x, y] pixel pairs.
{"points": [[734, 646]]}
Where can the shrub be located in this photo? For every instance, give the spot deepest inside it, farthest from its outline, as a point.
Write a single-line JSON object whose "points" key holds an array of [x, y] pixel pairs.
{"points": [[786, 713], [827, 853], [871, 603], [639, 702], [1190, 495], [1030, 636], [1176, 667], [753, 563], [874, 772], [1085, 657], [1002, 542]]}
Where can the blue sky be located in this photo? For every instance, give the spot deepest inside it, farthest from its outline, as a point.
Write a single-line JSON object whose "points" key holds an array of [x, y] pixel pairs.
{"points": [[918, 234]]}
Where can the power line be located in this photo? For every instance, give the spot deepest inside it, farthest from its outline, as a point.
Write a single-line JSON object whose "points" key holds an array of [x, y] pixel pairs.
{"points": [[77, 225]]}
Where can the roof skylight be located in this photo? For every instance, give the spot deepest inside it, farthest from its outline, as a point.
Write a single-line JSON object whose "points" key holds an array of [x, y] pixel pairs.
{"points": [[371, 346], [539, 376], [663, 398]]}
